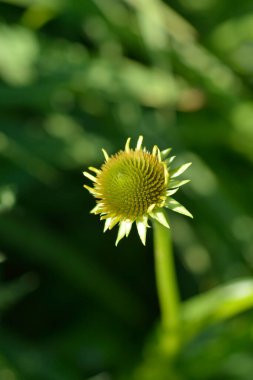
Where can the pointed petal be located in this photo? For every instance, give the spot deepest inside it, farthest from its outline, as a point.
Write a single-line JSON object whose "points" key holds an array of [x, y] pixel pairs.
{"points": [[176, 172], [159, 155], [151, 207], [171, 192], [107, 224], [161, 216], [174, 183], [154, 150], [139, 142], [142, 229], [95, 170], [121, 232], [127, 146], [165, 153], [113, 223], [128, 225], [166, 174], [105, 154], [90, 176], [92, 191], [177, 207], [96, 209], [105, 215], [169, 160], [145, 220]]}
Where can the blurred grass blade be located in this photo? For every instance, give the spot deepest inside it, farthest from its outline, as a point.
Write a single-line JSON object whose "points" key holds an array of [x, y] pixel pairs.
{"points": [[217, 305]]}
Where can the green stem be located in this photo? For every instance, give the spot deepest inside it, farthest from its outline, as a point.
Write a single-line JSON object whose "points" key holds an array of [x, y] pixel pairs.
{"points": [[168, 293]]}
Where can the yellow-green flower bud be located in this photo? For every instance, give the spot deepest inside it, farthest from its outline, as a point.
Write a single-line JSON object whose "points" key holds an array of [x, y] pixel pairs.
{"points": [[134, 185]]}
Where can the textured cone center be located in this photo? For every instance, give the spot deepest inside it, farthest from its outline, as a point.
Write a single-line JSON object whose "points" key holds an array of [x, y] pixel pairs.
{"points": [[130, 182]]}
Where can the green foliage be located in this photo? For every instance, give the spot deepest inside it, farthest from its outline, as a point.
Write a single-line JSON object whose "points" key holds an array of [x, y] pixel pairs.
{"points": [[76, 76]]}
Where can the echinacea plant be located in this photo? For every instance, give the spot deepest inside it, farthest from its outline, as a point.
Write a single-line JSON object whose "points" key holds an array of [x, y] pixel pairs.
{"points": [[135, 186]]}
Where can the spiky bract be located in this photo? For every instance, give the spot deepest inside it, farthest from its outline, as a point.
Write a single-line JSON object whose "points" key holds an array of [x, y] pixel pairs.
{"points": [[134, 185]]}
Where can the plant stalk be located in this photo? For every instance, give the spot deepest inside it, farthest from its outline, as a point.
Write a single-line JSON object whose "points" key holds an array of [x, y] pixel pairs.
{"points": [[167, 288]]}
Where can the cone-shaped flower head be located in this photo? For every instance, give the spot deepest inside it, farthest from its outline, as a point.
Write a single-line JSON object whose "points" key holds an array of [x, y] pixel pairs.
{"points": [[134, 185]]}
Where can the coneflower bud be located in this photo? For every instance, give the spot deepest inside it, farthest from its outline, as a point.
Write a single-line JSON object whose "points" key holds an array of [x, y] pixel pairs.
{"points": [[134, 185]]}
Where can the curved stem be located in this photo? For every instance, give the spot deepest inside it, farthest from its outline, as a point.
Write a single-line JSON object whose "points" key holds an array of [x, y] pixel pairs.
{"points": [[167, 288]]}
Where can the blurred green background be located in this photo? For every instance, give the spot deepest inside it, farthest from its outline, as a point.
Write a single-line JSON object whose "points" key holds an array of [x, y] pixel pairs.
{"points": [[79, 75]]}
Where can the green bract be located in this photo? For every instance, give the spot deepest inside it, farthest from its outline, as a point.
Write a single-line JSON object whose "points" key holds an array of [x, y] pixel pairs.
{"points": [[134, 185]]}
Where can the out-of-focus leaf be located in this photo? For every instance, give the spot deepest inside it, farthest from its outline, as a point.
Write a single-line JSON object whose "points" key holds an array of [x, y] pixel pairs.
{"points": [[12, 292], [18, 53], [32, 2], [78, 268], [7, 198], [155, 15], [217, 305], [31, 361], [151, 87], [35, 166], [7, 370]]}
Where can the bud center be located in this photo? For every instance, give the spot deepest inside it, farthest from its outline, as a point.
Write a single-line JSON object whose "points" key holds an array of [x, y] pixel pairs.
{"points": [[130, 182]]}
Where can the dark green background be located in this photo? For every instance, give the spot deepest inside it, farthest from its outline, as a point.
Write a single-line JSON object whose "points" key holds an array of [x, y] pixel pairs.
{"points": [[76, 76]]}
